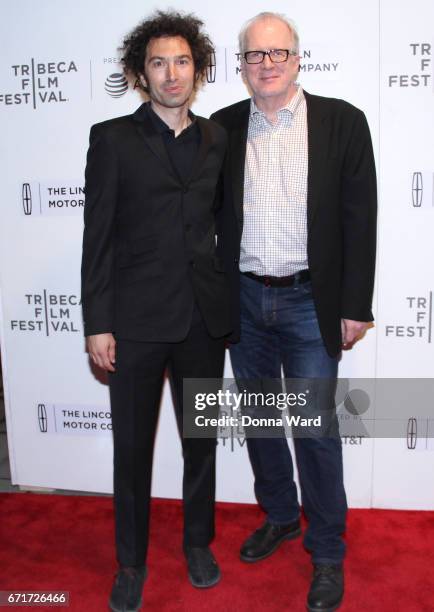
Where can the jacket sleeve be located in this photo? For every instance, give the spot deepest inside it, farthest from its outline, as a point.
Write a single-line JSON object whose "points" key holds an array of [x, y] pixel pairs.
{"points": [[358, 214], [97, 269]]}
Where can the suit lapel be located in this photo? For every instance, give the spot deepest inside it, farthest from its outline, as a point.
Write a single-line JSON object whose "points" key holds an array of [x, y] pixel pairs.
{"points": [[237, 145], [318, 135], [205, 143]]}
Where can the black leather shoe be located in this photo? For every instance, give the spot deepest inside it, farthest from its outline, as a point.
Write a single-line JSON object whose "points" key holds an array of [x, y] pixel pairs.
{"points": [[203, 570], [327, 588], [126, 595], [264, 541]]}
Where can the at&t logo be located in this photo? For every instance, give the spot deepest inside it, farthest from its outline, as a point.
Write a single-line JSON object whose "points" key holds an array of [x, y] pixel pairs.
{"points": [[116, 85]]}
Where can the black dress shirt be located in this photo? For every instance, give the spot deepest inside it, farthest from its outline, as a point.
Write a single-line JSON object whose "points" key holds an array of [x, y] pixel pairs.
{"points": [[182, 149]]}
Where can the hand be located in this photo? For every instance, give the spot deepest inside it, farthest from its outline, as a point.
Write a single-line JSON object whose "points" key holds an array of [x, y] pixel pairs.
{"points": [[101, 348], [351, 331]]}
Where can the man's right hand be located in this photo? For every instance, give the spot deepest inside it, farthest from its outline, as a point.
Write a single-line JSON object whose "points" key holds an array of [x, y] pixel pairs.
{"points": [[101, 348]]}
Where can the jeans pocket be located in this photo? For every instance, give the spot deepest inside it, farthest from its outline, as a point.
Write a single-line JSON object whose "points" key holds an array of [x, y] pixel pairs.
{"points": [[305, 288]]}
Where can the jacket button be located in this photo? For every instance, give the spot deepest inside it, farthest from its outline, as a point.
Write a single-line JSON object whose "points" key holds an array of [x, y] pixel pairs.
{"points": [[185, 189], [192, 264]]}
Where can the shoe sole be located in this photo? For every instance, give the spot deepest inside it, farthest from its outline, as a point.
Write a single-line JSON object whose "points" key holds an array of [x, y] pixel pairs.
{"points": [[204, 586], [290, 536], [332, 609], [114, 609]]}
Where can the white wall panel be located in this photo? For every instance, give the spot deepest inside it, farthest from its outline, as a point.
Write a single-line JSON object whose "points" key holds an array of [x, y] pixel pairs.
{"points": [[66, 52]]}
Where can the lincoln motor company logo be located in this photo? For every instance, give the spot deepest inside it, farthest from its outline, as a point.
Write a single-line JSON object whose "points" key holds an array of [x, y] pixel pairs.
{"points": [[420, 434], [422, 189], [27, 198], [211, 68], [411, 433], [55, 197], [417, 189], [315, 63], [42, 418], [66, 419]]}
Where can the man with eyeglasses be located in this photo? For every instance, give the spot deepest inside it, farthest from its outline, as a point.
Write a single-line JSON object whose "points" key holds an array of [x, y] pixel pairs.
{"points": [[301, 177]]}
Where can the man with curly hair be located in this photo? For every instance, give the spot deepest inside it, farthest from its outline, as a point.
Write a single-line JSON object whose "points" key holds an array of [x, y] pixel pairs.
{"points": [[154, 293]]}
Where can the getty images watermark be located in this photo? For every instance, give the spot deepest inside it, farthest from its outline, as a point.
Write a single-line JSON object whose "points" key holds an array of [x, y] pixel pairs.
{"points": [[363, 408], [245, 400]]}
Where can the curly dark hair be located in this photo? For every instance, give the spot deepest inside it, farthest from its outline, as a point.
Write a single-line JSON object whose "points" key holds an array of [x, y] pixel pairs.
{"points": [[162, 24]]}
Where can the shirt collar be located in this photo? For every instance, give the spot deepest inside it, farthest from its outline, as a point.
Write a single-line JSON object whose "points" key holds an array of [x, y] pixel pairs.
{"points": [[291, 107], [160, 126]]}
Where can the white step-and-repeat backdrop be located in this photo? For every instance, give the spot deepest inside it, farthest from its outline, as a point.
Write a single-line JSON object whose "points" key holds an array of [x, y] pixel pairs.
{"points": [[59, 74]]}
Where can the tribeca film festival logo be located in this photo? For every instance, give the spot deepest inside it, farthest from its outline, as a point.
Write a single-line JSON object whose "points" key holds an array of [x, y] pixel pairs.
{"points": [[49, 313], [422, 189], [422, 76], [38, 83], [420, 310], [52, 198], [64, 419]]}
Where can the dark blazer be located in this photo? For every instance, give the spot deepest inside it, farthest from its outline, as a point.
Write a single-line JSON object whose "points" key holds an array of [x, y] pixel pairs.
{"points": [[341, 210], [149, 240]]}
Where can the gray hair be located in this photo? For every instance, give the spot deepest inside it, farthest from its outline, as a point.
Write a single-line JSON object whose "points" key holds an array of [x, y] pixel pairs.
{"points": [[268, 15]]}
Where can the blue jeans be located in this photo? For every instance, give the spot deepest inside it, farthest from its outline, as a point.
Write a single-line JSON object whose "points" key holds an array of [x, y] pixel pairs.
{"points": [[279, 329]]}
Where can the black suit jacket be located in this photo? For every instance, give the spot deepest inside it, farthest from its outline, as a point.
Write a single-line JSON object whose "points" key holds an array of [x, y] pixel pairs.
{"points": [[341, 210], [149, 240]]}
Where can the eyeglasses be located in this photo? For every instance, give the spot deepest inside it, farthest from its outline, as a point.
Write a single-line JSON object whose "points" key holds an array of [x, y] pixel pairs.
{"points": [[276, 55]]}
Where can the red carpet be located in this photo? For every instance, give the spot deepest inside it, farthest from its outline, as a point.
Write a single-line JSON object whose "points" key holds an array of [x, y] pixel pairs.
{"points": [[53, 542]]}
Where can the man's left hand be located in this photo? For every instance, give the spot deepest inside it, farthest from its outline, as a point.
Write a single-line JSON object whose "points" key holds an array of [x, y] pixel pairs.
{"points": [[352, 331]]}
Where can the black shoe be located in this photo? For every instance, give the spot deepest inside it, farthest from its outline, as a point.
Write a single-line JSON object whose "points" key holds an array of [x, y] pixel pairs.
{"points": [[126, 595], [327, 588], [264, 541], [203, 570]]}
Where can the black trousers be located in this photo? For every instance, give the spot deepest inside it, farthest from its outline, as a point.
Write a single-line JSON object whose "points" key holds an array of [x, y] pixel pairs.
{"points": [[135, 393]]}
